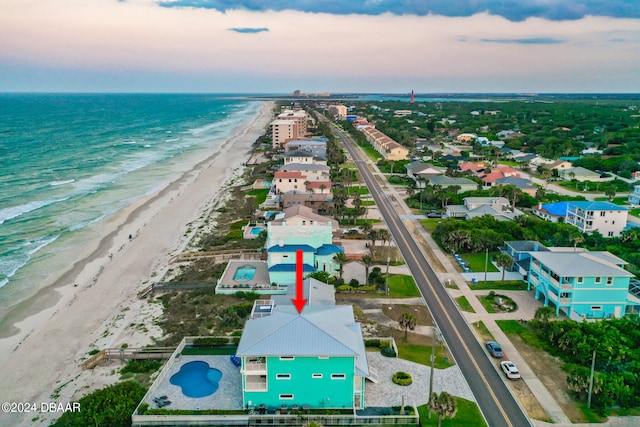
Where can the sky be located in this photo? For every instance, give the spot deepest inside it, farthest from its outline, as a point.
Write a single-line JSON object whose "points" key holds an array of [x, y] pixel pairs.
{"points": [[337, 46]]}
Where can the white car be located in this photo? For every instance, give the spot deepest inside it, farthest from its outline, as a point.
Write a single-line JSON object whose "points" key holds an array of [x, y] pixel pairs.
{"points": [[510, 370]]}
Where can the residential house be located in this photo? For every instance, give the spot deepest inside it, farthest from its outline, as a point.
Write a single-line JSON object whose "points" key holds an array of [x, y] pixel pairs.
{"points": [[300, 229], [314, 359], [466, 137], [605, 217], [313, 172], [499, 172], [579, 173], [634, 197], [559, 165], [320, 202], [444, 181], [419, 171], [522, 184], [288, 181], [591, 285], [498, 207], [475, 168], [552, 212], [316, 146], [302, 156], [520, 253]]}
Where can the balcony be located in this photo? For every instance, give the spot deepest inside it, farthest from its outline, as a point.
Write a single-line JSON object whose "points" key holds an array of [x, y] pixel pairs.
{"points": [[255, 368], [565, 301], [255, 384], [567, 287], [552, 296]]}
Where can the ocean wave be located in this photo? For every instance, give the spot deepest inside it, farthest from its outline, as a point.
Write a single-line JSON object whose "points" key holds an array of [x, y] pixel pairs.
{"points": [[16, 211], [96, 182], [58, 183], [39, 244], [172, 140]]}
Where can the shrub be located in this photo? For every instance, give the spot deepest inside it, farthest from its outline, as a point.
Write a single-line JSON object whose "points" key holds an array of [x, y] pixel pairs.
{"points": [[210, 342], [372, 343], [402, 378], [140, 366], [388, 351], [345, 288]]}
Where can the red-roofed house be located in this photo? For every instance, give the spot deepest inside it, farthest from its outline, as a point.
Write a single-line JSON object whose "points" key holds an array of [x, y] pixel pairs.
{"points": [[287, 181], [470, 166]]}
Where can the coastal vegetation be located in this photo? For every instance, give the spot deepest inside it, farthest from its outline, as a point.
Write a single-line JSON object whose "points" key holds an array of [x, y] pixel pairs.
{"points": [[615, 343]]}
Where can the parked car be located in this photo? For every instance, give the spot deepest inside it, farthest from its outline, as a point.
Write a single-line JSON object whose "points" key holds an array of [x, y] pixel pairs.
{"points": [[510, 370], [434, 214], [494, 349]]}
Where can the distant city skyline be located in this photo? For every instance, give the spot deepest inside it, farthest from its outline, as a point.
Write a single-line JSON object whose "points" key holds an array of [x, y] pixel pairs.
{"points": [[277, 46]]}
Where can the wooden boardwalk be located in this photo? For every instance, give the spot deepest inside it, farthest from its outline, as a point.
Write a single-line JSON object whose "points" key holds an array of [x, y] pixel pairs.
{"points": [[124, 354]]}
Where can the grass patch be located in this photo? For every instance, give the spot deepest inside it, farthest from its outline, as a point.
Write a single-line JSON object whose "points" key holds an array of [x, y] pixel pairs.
{"points": [[362, 189], [464, 305], [483, 331], [635, 212], [476, 262], [422, 353], [468, 415], [528, 335], [430, 225], [620, 201], [370, 151], [368, 203], [260, 194], [402, 286], [507, 285], [487, 303]]}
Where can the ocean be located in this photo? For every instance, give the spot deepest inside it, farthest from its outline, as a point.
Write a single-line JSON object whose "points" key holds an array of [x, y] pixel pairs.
{"points": [[67, 161]]}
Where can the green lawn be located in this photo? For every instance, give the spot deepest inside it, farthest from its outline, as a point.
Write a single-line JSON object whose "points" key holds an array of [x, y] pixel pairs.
{"points": [[620, 201], [371, 152], [463, 302], [486, 302], [422, 354], [261, 194], [477, 261], [468, 415], [363, 189], [430, 225], [635, 212], [595, 187], [513, 327], [204, 351], [402, 286], [507, 285], [368, 203]]}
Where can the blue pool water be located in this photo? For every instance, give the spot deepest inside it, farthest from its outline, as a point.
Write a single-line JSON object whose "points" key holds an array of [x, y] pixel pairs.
{"points": [[197, 379], [244, 273], [256, 230]]}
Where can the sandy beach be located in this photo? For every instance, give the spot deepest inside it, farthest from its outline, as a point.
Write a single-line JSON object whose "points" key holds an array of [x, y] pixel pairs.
{"points": [[94, 304]]}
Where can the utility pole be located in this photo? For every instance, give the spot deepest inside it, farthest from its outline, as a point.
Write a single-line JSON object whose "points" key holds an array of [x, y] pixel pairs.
{"points": [[593, 367], [387, 280], [486, 265], [433, 358]]}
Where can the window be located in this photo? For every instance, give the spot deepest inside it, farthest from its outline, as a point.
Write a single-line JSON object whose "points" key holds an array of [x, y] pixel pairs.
{"points": [[610, 234], [603, 213], [580, 279], [323, 357], [283, 376], [286, 397], [609, 281], [287, 357], [598, 279], [316, 375], [596, 307], [338, 376]]}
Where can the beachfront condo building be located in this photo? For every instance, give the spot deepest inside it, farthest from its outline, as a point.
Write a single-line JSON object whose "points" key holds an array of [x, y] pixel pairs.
{"points": [[299, 117], [282, 130], [338, 111], [315, 146], [315, 359], [591, 285], [300, 229]]}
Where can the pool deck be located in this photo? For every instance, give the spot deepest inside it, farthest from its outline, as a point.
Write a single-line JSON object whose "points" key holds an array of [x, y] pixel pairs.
{"points": [[260, 278], [228, 395]]}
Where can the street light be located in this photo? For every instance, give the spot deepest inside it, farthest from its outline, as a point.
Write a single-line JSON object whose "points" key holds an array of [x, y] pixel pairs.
{"points": [[387, 280]]}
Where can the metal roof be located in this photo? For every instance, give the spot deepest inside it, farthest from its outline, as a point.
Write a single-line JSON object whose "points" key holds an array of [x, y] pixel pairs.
{"points": [[328, 249], [291, 248], [288, 268], [576, 264], [318, 331]]}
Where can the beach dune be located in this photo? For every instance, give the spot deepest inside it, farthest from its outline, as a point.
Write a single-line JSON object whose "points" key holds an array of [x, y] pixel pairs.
{"points": [[94, 304]]}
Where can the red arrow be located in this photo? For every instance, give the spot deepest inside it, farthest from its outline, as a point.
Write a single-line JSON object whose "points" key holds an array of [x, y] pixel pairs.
{"points": [[299, 301]]}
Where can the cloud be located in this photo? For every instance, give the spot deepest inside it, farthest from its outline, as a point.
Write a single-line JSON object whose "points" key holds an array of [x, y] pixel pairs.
{"points": [[249, 30], [515, 10], [530, 40]]}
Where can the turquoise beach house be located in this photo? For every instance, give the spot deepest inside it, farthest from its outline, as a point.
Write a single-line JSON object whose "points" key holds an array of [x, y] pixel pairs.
{"points": [[591, 285], [300, 229], [315, 359]]}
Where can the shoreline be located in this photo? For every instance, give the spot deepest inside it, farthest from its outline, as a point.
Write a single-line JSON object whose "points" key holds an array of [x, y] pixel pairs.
{"points": [[94, 303]]}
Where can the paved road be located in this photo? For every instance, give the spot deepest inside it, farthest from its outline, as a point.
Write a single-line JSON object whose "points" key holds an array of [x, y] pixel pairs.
{"points": [[498, 405]]}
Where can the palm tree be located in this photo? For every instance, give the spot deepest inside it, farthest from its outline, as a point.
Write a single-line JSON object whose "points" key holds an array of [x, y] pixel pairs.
{"points": [[575, 239], [384, 235], [341, 259], [366, 227], [504, 262], [610, 193], [367, 260], [407, 321], [372, 236], [444, 405], [322, 188]]}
